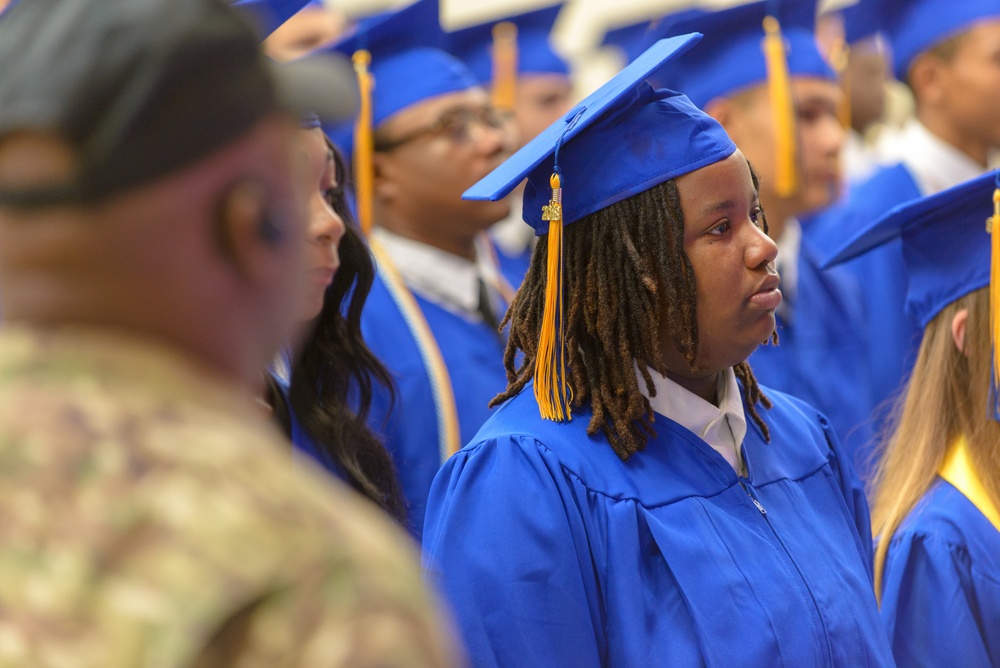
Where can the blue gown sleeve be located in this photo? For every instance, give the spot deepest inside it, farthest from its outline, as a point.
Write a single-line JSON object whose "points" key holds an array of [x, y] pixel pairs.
{"points": [[503, 512], [929, 605]]}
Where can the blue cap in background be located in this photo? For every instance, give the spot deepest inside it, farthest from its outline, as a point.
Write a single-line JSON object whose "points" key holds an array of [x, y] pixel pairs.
{"points": [[914, 26], [535, 55], [731, 58]]}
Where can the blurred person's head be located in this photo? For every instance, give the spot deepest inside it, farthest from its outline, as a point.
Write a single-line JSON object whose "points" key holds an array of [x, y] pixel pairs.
{"points": [[149, 179], [728, 76], [435, 131], [949, 56], [513, 57]]}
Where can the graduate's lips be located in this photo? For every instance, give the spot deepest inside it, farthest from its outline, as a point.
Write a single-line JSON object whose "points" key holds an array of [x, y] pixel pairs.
{"points": [[767, 296], [324, 275]]}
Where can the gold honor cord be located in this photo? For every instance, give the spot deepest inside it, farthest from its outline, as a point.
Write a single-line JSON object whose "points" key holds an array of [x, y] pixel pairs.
{"points": [[959, 470], [430, 352], [993, 229]]}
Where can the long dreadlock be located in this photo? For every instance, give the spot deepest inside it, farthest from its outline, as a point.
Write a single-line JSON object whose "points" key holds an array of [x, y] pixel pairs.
{"points": [[623, 277]]}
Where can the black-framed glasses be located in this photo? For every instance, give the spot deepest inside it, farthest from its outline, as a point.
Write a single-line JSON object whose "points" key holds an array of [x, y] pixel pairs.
{"points": [[456, 124]]}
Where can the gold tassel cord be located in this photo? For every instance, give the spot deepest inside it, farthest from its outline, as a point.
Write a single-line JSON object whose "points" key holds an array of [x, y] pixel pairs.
{"points": [[504, 90], [552, 391], [364, 171], [783, 108], [993, 227]]}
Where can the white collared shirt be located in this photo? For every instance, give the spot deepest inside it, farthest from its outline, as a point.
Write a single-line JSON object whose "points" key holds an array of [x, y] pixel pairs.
{"points": [[448, 280], [787, 263], [722, 427], [935, 164]]}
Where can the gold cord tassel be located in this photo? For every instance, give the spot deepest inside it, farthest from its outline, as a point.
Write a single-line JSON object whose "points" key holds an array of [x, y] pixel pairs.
{"points": [[364, 175], [504, 91], [783, 108], [552, 391], [993, 227]]}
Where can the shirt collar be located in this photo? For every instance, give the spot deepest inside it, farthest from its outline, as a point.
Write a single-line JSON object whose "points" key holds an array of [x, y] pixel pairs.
{"points": [[699, 416], [935, 164], [441, 277]]}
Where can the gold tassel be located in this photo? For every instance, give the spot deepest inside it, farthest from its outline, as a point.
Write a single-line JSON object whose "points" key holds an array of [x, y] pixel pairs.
{"points": [[504, 90], [552, 391], [364, 172], [783, 108], [993, 227]]}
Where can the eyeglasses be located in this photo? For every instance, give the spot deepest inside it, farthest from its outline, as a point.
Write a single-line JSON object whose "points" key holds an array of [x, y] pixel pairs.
{"points": [[455, 124]]}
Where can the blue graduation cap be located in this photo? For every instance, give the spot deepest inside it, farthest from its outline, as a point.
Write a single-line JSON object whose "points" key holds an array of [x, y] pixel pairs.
{"points": [[400, 61], [946, 244], [862, 20], [269, 15], [654, 135], [914, 26], [732, 56], [629, 38], [474, 45], [951, 247], [768, 41]]}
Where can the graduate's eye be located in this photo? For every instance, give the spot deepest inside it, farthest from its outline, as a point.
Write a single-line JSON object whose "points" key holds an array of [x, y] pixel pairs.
{"points": [[720, 229], [757, 217]]}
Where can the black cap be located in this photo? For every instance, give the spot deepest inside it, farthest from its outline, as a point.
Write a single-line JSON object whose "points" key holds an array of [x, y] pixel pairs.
{"points": [[142, 88]]}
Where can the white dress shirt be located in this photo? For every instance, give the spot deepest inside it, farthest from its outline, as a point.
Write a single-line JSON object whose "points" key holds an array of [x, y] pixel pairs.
{"points": [[447, 280], [722, 427], [935, 164]]}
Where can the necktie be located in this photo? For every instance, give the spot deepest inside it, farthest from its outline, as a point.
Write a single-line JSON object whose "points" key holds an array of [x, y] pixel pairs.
{"points": [[486, 309]]}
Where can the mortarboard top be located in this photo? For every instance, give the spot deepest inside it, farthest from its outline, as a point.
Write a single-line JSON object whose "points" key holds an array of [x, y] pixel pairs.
{"points": [[269, 15], [946, 246], [629, 38], [621, 140], [654, 135], [473, 45], [914, 26], [730, 57]]}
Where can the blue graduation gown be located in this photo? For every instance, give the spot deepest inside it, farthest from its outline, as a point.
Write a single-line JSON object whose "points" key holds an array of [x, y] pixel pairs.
{"points": [[821, 355], [881, 273], [554, 552], [513, 266], [941, 584], [303, 445], [473, 354]]}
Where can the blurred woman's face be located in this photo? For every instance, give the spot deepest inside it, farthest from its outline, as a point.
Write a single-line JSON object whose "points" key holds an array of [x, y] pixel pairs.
{"points": [[325, 227]]}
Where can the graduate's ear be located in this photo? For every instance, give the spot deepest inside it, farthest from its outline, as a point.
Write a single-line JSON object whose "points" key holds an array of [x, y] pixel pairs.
{"points": [[723, 110], [246, 229], [958, 325], [384, 168]]}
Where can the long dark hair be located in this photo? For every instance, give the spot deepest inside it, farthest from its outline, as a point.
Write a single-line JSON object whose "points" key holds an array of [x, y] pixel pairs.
{"points": [[625, 272], [333, 371]]}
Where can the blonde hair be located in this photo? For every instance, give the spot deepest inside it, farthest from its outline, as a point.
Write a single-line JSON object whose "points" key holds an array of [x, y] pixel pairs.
{"points": [[948, 395]]}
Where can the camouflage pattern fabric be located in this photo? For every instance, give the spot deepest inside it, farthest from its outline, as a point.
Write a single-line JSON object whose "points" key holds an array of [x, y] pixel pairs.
{"points": [[150, 517]]}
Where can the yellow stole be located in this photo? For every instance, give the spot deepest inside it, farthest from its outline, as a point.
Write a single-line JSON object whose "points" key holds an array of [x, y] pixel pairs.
{"points": [[959, 470]]}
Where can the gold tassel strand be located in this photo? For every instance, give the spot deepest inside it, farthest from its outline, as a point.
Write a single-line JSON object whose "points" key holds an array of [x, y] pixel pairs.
{"points": [[552, 391], [783, 108], [364, 147]]}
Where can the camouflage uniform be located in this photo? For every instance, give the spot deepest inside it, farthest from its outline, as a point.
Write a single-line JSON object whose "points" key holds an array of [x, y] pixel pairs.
{"points": [[150, 517]]}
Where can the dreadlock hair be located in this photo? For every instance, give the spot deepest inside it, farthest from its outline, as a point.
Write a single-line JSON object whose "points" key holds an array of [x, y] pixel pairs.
{"points": [[333, 370], [625, 273]]}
